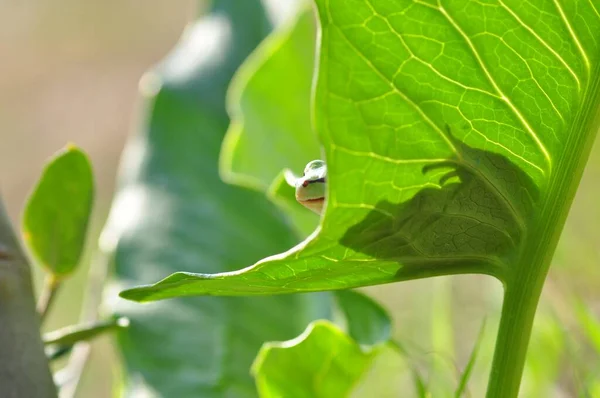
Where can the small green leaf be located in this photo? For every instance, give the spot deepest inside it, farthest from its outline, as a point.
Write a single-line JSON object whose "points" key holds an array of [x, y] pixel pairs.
{"points": [[367, 322], [57, 212], [322, 362], [73, 334]]}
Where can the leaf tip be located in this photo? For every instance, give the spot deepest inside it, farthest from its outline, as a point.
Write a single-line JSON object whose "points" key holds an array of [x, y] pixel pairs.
{"points": [[72, 147], [130, 294]]}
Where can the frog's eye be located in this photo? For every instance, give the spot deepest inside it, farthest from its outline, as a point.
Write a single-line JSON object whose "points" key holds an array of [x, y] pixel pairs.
{"points": [[314, 165], [305, 183]]}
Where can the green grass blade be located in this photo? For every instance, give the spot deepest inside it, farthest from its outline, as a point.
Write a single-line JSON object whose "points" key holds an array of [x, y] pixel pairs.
{"points": [[466, 374], [419, 383], [442, 339]]}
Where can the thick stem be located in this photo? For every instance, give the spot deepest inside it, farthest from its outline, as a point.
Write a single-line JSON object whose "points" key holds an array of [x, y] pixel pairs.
{"points": [[518, 312], [523, 285], [24, 370]]}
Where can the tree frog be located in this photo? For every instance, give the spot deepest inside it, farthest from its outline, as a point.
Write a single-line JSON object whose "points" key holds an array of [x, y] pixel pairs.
{"points": [[310, 188]]}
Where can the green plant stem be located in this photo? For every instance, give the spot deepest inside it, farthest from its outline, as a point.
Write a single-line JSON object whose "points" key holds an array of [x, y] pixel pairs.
{"points": [[518, 311], [74, 334], [24, 370], [523, 286], [49, 290]]}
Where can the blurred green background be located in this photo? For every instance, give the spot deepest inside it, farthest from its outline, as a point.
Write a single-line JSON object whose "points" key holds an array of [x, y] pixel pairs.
{"points": [[70, 72]]}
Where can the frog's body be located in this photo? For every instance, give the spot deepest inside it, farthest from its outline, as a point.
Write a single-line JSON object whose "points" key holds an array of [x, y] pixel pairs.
{"points": [[310, 188]]}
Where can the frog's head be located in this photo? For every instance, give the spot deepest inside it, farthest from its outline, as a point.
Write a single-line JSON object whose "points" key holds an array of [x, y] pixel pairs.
{"points": [[310, 188]]}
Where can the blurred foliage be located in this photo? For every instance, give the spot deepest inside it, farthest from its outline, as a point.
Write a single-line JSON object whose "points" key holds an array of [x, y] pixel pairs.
{"points": [[365, 320], [173, 212], [139, 37], [469, 196]]}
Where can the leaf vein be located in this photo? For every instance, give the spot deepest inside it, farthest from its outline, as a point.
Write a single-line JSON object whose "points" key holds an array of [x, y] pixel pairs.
{"points": [[573, 35], [427, 64], [491, 79], [594, 8], [543, 42], [374, 155], [399, 92], [537, 83]]}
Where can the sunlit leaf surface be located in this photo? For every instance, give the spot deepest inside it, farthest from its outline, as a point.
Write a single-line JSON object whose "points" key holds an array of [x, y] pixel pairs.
{"points": [[452, 132]]}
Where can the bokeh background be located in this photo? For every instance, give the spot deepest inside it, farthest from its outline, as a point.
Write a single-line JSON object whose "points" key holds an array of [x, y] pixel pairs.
{"points": [[70, 72]]}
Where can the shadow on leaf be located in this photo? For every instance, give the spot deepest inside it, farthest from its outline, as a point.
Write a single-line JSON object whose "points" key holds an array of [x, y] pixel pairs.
{"points": [[477, 215]]}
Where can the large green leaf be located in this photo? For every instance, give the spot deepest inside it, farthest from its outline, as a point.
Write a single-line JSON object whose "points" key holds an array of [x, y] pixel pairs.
{"points": [[57, 213], [173, 212], [269, 102], [271, 130], [455, 134]]}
